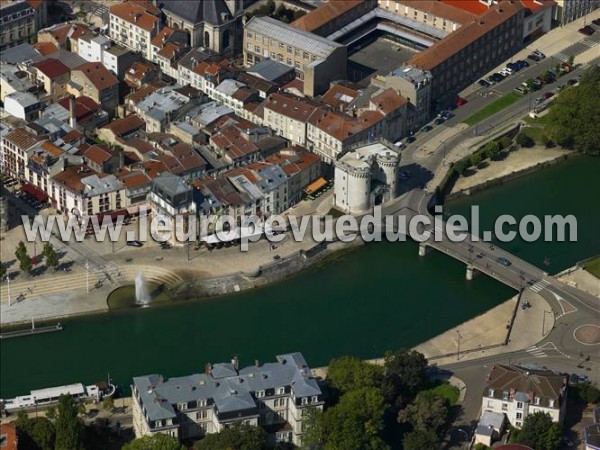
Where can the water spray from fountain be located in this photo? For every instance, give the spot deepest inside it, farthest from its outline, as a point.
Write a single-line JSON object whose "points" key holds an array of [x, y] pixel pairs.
{"points": [[142, 295]]}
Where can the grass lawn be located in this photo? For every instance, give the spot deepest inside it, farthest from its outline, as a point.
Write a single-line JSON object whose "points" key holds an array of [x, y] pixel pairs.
{"points": [[446, 391], [535, 133], [593, 267], [493, 108], [543, 120]]}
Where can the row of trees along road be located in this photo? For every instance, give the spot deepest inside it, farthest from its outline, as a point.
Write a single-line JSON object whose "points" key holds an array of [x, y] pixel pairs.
{"points": [[26, 263]]}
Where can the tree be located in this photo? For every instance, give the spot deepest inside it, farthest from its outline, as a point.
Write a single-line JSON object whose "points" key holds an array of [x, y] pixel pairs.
{"points": [[50, 255], [43, 433], [157, 441], [504, 142], [404, 376], [492, 149], [571, 61], [24, 259], [588, 392], [68, 425], [36, 433], [574, 115], [531, 84], [51, 413], [476, 158], [524, 140], [461, 166], [21, 250], [349, 373], [481, 446], [108, 403], [546, 141], [539, 432], [427, 412], [355, 422], [419, 440], [239, 436]]}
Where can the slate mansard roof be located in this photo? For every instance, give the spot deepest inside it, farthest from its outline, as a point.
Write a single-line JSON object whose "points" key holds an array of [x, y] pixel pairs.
{"points": [[230, 390]]}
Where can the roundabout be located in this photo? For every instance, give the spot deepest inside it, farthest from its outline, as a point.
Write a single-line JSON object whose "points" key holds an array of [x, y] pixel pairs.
{"points": [[588, 334]]}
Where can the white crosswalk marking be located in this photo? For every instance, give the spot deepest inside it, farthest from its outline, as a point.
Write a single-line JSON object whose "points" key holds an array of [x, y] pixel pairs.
{"points": [[536, 352], [560, 56], [540, 285], [589, 43]]}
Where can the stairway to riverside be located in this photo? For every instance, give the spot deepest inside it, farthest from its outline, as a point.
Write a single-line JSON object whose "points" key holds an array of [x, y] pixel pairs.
{"points": [[151, 273]]}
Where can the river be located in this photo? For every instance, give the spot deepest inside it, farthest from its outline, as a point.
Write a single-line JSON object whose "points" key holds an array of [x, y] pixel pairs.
{"points": [[362, 302]]}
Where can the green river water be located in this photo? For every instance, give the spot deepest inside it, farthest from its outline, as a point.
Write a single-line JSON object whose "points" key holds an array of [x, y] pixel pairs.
{"points": [[362, 302]]}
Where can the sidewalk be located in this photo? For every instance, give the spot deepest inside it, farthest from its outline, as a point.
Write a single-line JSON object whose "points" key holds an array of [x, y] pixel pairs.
{"points": [[550, 44]]}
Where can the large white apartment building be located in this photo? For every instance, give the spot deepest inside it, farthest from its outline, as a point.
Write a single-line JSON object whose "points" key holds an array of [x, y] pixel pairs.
{"points": [[272, 395], [132, 26], [518, 392]]}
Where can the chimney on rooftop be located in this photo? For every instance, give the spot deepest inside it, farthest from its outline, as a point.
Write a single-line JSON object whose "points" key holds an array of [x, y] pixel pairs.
{"points": [[235, 362], [72, 121], [208, 368]]}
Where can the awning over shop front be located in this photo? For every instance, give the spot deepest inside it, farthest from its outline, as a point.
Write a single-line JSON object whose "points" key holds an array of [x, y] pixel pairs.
{"points": [[315, 186], [34, 192]]}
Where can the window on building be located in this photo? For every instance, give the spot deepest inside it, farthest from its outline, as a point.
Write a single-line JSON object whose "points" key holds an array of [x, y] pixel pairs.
{"points": [[504, 406], [304, 400], [207, 39], [519, 415], [260, 394], [519, 405], [537, 401]]}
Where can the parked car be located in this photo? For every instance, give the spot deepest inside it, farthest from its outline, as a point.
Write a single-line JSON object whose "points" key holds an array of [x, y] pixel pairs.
{"points": [[410, 139], [521, 90], [399, 144], [548, 95], [587, 30], [461, 101], [534, 57], [540, 54], [439, 121], [522, 63], [596, 22], [572, 81], [426, 128], [497, 77], [135, 243], [484, 83]]}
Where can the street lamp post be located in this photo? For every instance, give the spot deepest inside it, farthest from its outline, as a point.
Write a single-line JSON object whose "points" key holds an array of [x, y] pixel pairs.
{"points": [[458, 338], [466, 436]]}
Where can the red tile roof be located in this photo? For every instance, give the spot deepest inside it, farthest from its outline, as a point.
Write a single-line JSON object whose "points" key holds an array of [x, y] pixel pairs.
{"points": [[472, 6], [324, 14], [388, 101], [99, 154], [52, 68], [126, 125], [339, 95], [537, 5], [9, 433], [290, 107], [22, 139], [231, 141], [98, 75], [72, 30], [45, 48], [443, 9], [465, 35], [84, 106], [135, 14]]}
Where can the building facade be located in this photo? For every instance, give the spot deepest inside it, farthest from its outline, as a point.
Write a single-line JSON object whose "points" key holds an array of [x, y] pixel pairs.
{"points": [[214, 25], [317, 60], [275, 396], [517, 392], [366, 176], [18, 23], [570, 10], [132, 26]]}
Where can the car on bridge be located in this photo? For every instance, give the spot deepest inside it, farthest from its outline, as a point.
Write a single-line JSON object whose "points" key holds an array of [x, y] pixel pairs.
{"points": [[505, 262]]}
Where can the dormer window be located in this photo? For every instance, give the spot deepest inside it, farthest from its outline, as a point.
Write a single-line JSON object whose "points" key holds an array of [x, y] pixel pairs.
{"points": [[280, 390], [260, 394], [491, 392], [304, 401], [504, 395], [551, 403], [537, 400]]}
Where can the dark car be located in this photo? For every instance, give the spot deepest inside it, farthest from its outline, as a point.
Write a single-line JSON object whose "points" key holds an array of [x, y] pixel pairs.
{"points": [[505, 262], [515, 67], [534, 57], [596, 22], [572, 81], [135, 243], [587, 30], [426, 128], [461, 101], [439, 121], [522, 63], [497, 77], [484, 83], [410, 139]]}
